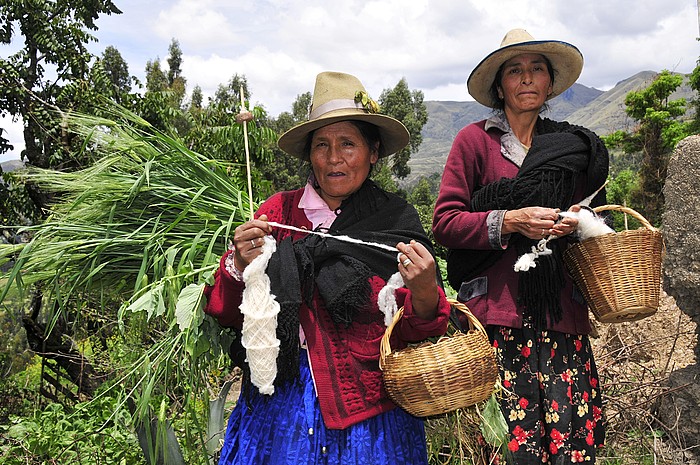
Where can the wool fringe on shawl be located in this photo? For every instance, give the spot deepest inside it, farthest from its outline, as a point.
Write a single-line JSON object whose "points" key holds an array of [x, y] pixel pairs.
{"points": [[260, 310]]}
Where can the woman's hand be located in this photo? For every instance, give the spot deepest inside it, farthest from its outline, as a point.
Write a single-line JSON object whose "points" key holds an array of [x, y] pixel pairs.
{"points": [[538, 222], [567, 225], [248, 240], [417, 268]]}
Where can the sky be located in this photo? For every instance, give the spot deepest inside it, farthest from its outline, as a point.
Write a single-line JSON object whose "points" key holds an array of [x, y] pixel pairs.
{"points": [[281, 45]]}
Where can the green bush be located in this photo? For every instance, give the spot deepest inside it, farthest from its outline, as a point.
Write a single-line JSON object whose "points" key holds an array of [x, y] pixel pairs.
{"points": [[97, 432]]}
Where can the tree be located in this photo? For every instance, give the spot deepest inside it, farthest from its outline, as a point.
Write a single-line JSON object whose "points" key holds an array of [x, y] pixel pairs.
{"points": [[658, 131], [162, 105], [406, 106], [197, 99], [117, 70], [55, 36], [286, 172]]}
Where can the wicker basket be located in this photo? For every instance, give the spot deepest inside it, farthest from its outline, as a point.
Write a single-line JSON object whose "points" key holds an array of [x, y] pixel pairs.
{"points": [[619, 273], [428, 379]]}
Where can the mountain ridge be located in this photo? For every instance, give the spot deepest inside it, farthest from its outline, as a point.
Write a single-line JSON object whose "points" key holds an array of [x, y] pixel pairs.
{"points": [[600, 111]]}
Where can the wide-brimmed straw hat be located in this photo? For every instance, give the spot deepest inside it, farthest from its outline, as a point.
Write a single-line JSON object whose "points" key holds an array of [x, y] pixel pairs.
{"points": [[342, 97], [566, 59]]}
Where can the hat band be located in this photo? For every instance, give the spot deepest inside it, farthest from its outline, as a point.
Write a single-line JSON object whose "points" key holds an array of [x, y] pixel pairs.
{"points": [[338, 104]]}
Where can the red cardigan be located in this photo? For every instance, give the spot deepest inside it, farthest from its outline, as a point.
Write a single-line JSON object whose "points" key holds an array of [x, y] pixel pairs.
{"points": [[344, 361], [474, 161]]}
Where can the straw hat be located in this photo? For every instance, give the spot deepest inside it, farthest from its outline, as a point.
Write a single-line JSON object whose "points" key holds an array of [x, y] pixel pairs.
{"points": [[342, 97], [567, 62]]}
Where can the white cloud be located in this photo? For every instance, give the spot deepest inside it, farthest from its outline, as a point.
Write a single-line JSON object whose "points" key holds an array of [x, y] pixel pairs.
{"points": [[13, 133], [280, 45]]}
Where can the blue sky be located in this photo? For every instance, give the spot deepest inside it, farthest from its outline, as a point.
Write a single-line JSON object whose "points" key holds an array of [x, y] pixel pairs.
{"points": [[280, 45]]}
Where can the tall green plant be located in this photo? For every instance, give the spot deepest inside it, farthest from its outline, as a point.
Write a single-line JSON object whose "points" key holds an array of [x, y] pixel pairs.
{"points": [[140, 232]]}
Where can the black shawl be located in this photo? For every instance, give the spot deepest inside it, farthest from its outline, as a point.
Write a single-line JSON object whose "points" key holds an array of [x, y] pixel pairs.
{"points": [[338, 270], [559, 155]]}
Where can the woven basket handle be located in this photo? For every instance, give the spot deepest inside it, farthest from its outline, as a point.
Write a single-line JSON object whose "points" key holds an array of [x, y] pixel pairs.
{"points": [[385, 344], [627, 211]]}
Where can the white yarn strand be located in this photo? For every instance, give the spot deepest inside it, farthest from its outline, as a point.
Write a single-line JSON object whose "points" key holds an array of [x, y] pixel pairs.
{"points": [[340, 238], [260, 309]]}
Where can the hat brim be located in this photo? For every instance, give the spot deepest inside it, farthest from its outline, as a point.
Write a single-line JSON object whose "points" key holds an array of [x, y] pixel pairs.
{"points": [[566, 59], [394, 134]]}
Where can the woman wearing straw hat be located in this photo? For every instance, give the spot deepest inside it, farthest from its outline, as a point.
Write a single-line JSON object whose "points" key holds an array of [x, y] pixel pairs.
{"points": [[505, 181], [328, 403]]}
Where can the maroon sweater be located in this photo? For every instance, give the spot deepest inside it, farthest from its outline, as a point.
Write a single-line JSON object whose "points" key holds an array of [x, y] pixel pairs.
{"points": [[476, 160], [344, 361]]}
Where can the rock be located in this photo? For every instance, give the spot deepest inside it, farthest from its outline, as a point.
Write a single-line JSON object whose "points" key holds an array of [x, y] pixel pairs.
{"points": [[681, 232], [678, 409]]}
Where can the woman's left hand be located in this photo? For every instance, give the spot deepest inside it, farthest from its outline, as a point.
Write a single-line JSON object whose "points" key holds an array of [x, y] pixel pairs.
{"points": [[417, 268], [567, 225]]}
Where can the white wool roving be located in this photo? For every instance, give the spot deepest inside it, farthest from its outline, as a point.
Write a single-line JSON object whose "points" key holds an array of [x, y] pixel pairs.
{"points": [[260, 309], [589, 224], [386, 300], [527, 261]]}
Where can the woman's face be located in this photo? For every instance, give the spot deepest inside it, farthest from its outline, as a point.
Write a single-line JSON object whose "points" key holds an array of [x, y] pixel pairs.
{"points": [[525, 83], [341, 160]]}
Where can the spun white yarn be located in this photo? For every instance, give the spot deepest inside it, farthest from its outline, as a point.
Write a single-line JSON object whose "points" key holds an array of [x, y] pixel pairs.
{"points": [[343, 238], [260, 309], [528, 260], [386, 299]]}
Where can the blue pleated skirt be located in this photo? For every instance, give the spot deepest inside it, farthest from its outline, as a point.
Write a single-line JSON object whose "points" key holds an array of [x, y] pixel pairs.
{"points": [[287, 428]]}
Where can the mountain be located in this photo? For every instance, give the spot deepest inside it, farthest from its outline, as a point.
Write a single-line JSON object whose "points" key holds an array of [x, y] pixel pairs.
{"points": [[11, 165], [601, 111]]}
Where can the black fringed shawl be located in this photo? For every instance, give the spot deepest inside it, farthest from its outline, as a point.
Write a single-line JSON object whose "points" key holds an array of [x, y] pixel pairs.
{"points": [[338, 270], [559, 154]]}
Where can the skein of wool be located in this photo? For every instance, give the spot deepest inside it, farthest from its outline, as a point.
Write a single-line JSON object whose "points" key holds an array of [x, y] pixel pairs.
{"points": [[386, 299], [589, 224], [260, 310]]}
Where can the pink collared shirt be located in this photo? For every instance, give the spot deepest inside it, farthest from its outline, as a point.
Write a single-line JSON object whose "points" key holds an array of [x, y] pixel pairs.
{"points": [[315, 208]]}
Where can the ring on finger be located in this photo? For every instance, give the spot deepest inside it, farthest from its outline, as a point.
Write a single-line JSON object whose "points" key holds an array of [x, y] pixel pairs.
{"points": [[252, 242], [406, 262], [543, 233]]}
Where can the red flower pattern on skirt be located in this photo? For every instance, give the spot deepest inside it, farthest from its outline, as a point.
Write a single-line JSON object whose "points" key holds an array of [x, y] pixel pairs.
{"points": [[555, 410]]}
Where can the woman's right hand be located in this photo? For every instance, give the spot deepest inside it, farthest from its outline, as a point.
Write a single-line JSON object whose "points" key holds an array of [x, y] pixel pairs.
{"points": [[531, 222], [248, 241]]}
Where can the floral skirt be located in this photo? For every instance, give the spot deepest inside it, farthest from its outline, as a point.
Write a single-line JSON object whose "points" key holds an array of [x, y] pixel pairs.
{"points": [[287, 428], [554, 410]]}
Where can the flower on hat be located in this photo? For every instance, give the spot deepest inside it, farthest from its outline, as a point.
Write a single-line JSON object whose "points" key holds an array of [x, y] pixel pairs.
{"points": [[370, 105]]}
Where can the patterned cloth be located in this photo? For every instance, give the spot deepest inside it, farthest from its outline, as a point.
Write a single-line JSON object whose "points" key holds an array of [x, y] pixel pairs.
{"points": [[299, 437], [556, 416]]}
